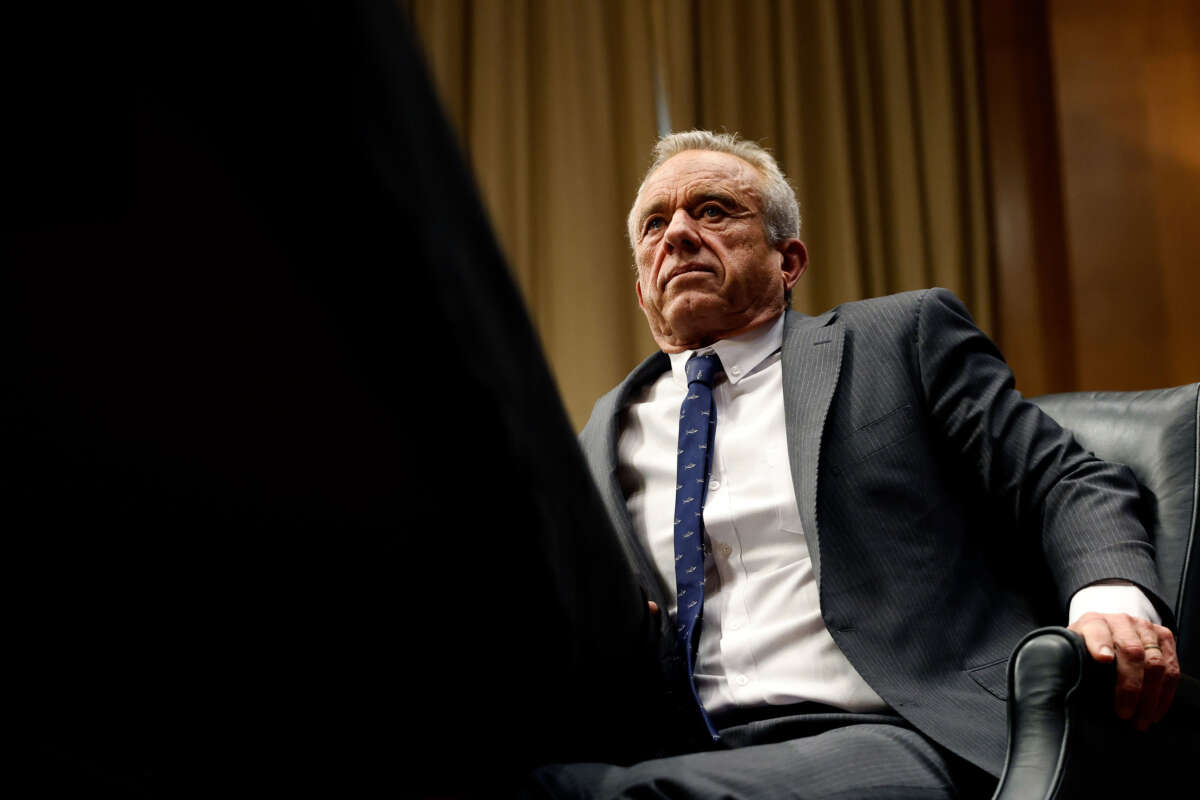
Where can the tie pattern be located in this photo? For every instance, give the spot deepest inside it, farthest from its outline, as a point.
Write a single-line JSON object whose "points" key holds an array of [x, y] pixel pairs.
{"points": [[697, 427]]}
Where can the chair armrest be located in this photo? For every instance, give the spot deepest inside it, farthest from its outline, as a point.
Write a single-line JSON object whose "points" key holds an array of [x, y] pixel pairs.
{"points": [[1064, 739], [1045, 672]]}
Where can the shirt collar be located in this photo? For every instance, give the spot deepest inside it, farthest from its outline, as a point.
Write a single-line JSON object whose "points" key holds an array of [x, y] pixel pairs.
{"points": [[740, 355]]}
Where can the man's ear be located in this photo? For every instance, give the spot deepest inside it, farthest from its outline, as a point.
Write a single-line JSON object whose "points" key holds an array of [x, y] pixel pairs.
{"points": [[638, 285], [795, 261]]}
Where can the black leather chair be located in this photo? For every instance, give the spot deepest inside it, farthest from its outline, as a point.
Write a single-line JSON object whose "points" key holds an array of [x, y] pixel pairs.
{"points": [[1064, 739]]}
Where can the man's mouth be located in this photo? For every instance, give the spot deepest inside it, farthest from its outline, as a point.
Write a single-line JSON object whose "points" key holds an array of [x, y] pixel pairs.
{"points": [[684, 269]]}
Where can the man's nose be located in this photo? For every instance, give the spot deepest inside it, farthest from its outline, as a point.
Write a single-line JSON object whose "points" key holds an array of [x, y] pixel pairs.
{"points": [[681, 233]]}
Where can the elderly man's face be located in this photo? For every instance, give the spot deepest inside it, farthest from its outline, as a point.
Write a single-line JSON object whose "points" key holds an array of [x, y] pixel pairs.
{"points": [[705, 269]]}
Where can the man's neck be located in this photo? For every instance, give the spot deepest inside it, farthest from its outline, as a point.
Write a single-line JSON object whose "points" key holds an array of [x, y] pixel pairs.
{"points": [[681, 345]]}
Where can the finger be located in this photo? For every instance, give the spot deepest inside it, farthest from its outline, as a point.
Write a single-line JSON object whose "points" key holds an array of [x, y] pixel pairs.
{"points": [[1153, 673], [653, 607], [1130, 656], [1171, 672], [1097, 636]]}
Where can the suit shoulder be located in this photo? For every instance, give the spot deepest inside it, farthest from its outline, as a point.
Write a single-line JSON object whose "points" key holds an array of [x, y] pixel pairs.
{"points": [[890, 312], [900, 303], [602, 410], [610, 402], [902, 310]]}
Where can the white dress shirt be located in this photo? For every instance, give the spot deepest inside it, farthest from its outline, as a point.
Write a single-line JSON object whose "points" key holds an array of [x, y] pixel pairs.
{"points": [[762, 641]]}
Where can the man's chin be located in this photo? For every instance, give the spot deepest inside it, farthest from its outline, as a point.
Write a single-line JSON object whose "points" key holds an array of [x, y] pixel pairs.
{"points": [[693, 308], [687, 326], [700, 320]]}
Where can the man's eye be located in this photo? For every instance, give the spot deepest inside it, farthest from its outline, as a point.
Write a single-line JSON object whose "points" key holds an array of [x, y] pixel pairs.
{"points": [[712, 212], [654, 223]]}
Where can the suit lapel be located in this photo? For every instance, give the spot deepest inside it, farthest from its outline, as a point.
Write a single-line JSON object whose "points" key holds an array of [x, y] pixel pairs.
{"points": [[812, 362], [609, 486]]}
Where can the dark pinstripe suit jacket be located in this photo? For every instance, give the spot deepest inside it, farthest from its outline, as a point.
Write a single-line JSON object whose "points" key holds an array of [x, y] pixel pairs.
{"points": [[923, 479]]}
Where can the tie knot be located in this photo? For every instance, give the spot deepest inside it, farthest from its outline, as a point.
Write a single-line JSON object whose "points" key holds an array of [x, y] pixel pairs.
{"points": [[703, 369]]}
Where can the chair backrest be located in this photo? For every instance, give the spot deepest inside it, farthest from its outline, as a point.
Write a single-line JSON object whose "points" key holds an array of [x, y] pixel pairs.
{"points": [[1157, 434]]}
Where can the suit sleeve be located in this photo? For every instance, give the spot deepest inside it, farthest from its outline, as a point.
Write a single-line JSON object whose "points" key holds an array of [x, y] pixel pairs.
{"points": [[1084, 508]]}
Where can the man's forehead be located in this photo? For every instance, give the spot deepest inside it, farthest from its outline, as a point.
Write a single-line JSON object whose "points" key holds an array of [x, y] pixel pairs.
{"points": [[700, 172]]}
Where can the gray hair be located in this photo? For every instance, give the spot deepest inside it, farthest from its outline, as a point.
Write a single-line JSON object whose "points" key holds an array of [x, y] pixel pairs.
{"points": [[781, 211]]}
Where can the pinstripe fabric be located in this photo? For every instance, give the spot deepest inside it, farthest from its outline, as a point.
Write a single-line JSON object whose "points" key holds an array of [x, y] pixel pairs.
{"points": [[929, 490], [599, 442], [870, 757], [812, 359]]}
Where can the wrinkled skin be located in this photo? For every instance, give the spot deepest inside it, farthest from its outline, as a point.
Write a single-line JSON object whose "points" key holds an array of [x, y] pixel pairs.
{"points": [[705, 268]]}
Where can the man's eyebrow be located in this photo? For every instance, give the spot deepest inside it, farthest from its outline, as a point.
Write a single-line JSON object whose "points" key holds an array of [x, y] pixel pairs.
{"points": [[654, 208], [699, 197], [707, 195]]}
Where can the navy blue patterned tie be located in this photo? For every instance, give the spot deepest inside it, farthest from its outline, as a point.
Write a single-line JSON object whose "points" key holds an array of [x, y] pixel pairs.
{"points": [[697, 427]]}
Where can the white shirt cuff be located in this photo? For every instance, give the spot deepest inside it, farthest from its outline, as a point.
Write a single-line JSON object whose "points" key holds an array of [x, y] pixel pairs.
{"points": [[1112, 597]]}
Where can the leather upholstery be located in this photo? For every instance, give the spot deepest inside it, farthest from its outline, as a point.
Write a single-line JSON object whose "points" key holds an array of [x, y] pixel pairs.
{"points": [[1062, 732], [1046, 670], [1154, 433]]}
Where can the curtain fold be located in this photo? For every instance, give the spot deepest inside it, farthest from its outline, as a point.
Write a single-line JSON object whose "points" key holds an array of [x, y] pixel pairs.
{"points": [[872, 108], [554, 103]]}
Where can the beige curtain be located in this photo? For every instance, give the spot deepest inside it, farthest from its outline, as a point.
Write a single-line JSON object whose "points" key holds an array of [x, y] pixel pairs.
{"points": [[554, 104], [871, 107]]}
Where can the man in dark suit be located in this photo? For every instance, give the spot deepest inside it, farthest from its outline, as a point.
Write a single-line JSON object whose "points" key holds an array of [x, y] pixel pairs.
{"points": [[856, 616], [225, 447]]}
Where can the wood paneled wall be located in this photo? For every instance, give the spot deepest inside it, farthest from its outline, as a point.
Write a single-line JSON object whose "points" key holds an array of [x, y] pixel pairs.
{"points": [[1094, 145]]}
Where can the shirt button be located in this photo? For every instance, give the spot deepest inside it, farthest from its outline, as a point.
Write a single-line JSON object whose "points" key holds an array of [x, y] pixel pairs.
{"points": [[741, 680], [714, 485], [726, 549], [735, 624], [735, 370]]}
